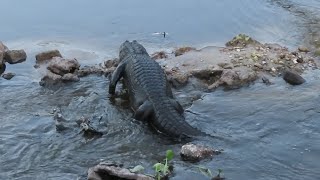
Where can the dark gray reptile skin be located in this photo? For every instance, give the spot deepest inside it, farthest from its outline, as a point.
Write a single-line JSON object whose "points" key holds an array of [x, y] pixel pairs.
{"points": [[150, 94]]}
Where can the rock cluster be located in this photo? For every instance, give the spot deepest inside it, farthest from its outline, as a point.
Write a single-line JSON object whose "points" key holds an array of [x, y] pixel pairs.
{"points": [[240, 63], [11, 57], [58, 70]]}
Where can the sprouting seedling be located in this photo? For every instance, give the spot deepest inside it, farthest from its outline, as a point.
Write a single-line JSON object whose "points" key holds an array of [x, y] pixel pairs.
{"points": [[162, 169]]}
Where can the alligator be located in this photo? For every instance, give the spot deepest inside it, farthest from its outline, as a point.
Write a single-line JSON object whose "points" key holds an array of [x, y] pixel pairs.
{"points": [[150, 94]]}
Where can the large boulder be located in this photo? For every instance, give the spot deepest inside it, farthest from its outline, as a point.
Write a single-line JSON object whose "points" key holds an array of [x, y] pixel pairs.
{"points": [[15, 56], [62, 66], [47, 55], [293, 78]]}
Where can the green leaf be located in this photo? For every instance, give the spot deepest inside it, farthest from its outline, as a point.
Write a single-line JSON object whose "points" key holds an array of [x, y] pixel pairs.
{"points": [[158, 167], [169, 155], [137, 168], [205, 171]]}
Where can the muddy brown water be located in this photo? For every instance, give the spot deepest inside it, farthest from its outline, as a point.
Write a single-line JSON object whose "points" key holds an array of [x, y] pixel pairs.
{"points": [[267, 132]]}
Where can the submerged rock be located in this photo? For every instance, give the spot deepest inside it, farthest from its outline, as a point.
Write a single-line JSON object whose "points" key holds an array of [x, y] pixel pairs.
{"points": [[293, 78], [8, 76], [15, 56], [109, 171], [195, 153], [47, 55]]}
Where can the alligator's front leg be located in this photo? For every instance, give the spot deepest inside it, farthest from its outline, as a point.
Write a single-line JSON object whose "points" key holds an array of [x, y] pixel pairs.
{"points": [[116, 75], [144, 111]]}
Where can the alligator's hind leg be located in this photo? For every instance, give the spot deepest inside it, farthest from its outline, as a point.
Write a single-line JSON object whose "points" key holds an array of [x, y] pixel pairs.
{"points": [[116, 75], [144, 111], [177, 106]]}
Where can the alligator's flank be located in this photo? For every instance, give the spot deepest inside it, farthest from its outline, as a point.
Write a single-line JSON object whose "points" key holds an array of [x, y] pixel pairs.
{"points": [[149, 91]]}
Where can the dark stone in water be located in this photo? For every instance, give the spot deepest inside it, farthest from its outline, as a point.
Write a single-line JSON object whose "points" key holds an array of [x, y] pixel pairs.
{"points": [[8, 76], [293, 78]]}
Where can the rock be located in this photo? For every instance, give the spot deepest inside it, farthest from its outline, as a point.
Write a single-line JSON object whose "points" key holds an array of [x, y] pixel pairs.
{"points": [[88, 70], [266, 81], [70, 78], [206, 74], [195, 153], [242, 40], [8, 76], [50, 79], [109, 171], [3, 50], [159, 55], [258, 65], [235, 78], [3, 47], [15, 56], [177, 79], [47, 55], [293, 78], [111, 63], [62, 66], [317, 52], [183, 50], [300, 59], [303, 49], [225, 65], [2, 68]]}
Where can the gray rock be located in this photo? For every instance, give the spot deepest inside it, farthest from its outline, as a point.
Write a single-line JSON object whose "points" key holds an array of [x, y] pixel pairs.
{"points": [[235, 78], [62, 66], [195, 153], [111, 63], [47, 55], [159, 55], [50, 79], [15, 56], [293, 78], [3, 50], [8, 76], [88, 70], [105, 171], [70, 77]]}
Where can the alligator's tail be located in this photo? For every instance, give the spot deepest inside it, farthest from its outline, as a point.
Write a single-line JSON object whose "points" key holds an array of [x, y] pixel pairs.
{"points": [[170, 122]]}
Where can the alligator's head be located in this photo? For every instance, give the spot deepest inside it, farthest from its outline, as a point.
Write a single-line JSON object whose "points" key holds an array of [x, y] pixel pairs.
{"points": [[128, 48]]}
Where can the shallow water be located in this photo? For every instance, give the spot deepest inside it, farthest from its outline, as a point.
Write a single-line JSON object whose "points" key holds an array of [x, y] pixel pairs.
{"points": [[266, 132]]}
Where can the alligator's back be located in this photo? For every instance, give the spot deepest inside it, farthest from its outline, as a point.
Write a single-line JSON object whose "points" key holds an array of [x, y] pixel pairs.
{"points": [[146, 75]]}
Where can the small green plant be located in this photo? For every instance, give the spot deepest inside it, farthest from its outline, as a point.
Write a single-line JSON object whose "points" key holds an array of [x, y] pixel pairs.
{"points": [[163, 169], [205, 171]]}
